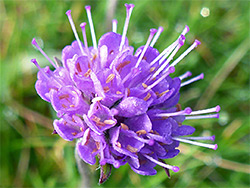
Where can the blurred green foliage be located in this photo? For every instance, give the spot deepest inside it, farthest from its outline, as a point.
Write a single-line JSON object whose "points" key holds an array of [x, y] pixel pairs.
{"points": [[32, 157]]}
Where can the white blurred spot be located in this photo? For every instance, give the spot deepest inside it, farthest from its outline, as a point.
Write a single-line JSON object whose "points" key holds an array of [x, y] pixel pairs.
{"points": [[224, 118], [205, 12], [39, 42], [137, 37], [179, 27]]}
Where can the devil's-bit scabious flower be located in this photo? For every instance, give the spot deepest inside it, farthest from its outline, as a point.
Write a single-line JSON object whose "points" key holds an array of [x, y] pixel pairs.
{"points": [[121, 105]]}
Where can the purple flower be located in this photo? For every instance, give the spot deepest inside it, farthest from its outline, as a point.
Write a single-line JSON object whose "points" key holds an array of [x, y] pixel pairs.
{"points": [[121, 105]]}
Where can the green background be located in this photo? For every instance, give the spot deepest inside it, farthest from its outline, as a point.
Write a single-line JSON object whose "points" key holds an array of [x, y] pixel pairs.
{"points": [[32, 157]]}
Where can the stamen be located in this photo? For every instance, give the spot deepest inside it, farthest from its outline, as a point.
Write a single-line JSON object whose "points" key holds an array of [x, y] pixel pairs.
{"points": [[78, 67], [88, 8], [97, 145], [170, 70], [68, 13], [96, 99], [131, 149], [162, 93], [144, 85], [118, 144], [194, 45], [129, 8], [147, 97], [170, 48], [160, 29], [169, 59], [185, 30], [64, 106], [174, 168], [211, 146], [180, 43], [74, 133], [182, 112], [114, 25], [106, 89], [151, 35], [128, 92], [95, 119], [199, 77], [203, 116], [109, 122], [82, 25], [101, 124], [185, 75], [121, 65], [124, 127], [64, 96], [39, 68], [152, 69], [42, 52], [140, 132], [118, 92], [201, 138], [86, 74], [110, 78], [205, 111]]}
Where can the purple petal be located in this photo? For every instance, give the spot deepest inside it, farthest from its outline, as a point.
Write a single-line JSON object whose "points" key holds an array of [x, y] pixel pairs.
{"points": [[69, 51], [112, 41], [132, 106], [100, 118], [146, 167], [150, 55], [137, 123], [66, 131], [184, 130]]}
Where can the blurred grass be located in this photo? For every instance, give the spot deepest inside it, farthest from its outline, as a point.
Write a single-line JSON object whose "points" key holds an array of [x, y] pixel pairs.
{"points": [[32, 157]]}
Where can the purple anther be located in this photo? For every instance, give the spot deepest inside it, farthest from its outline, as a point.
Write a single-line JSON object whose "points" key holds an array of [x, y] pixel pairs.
{"points": [[189, 73], [161, 29], [197, 42], [127, 5], [114, 111], [151, 142], [131, 5], [217, 108], [188, 110], [213, 137], [182, 37], [171, 70], [153, 31], [201, 75], [182, 40], [215, 147], [34, 41], [175, 168], [35, 62], [82, 25], [88, 7], [116, 164], [68, 12]]}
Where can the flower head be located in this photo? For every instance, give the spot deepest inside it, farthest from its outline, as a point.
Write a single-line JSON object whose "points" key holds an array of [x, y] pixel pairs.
{"points": [[121, 105]]}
